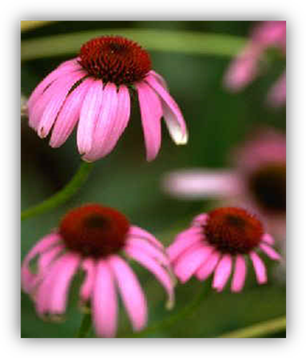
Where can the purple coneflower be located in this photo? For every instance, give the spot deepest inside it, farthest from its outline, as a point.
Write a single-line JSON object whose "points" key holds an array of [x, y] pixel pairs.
{"points": [[92, 91], [93, 239], [219, 242]]}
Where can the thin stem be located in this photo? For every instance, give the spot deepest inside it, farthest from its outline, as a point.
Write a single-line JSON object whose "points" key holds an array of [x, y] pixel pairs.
{"points": [[63, 195], [187, 42], [85, 326], [169, 321], [259, 330]]}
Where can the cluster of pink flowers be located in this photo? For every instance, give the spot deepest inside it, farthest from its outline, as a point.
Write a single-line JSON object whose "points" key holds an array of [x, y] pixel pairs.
{"points": [[92, 92], [246, 67]]}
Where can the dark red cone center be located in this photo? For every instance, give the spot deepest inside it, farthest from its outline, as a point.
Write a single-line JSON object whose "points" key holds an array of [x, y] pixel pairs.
{"points": [[94, 230], [233, 230], [115, 59]]}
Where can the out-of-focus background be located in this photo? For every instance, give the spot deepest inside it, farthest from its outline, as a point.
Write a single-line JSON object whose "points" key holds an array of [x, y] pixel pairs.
{"points": [[217, 122]]}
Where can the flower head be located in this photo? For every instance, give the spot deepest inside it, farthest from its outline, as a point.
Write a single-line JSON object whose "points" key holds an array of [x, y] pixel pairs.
{"points": [[219, 242], [257, 180], [93, 238], [92, 91], [246, 66]]}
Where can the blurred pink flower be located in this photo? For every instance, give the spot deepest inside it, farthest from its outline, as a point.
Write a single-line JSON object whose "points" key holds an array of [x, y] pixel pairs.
{"points": [[246, 66], [257, 181], [219, 242], [92, 238], [93, 91]]}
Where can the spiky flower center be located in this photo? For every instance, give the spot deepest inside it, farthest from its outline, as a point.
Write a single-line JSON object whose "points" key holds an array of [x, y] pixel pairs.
{"points": [[233, 230], [115, 59], [268, 185], [94, 230]]}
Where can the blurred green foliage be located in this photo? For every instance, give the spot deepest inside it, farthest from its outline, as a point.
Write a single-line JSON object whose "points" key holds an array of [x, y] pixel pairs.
{"points": [[217, 122]]}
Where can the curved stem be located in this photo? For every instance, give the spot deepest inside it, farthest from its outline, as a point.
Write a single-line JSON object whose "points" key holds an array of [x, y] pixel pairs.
{"points": [[85, 326], [258, 330], [169, 321], [188, 42], [63, 195]]}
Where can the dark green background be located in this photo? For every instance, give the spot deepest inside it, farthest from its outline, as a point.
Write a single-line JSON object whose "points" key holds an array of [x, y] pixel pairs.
{"points": [[217, 121]]}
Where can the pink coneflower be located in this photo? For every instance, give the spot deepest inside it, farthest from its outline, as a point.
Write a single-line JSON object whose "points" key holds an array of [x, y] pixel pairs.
{"points": [[258, 179], [219, 242], [93, 90], [246, 66], [93, 238]]}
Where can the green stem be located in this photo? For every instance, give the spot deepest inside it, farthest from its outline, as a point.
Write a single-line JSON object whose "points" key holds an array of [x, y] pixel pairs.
{"points": [[85, 326], [169, 321], [63, 195], [259, 330], [187, 42]]}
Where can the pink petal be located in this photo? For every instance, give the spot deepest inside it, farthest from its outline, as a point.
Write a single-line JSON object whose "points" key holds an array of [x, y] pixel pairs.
{"points": [[117, 122], [63, 70], [239, 274], [150, 264], [209, 266], [183, 243], [269, 251], [151, 113], [198, 184], [44, 244], [268, 239], [277, 94], [104, 124], [89, 266], [59, 94], [136, 231], [149, 249], [159, 78], [200, 220], [104, 301], [88, 116], [69, 114], [67, 267], [131, 292], [171, 112], [259, 267], [188, 264], [222, 273]]}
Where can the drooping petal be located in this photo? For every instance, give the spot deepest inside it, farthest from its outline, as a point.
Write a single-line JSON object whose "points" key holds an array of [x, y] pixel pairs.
{"points": [[131, 292], [88, 116], [239, 274], [67, 267], [259, 267], [148, 248], [269, 251], [53, 107], [63, 70], [136, 231], [277, 94], [104, 301], [183, 243], [104, 125], [69, 114], [209, 266], [89, 266], [153, 266], [222, 273], [198, 184], [44, 244], [151, 113], [171, 112], [188, 264], [159, 78]]}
